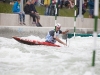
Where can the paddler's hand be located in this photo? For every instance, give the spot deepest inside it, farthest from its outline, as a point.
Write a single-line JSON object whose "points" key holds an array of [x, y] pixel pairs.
{"points": [[65, 44], [67, 31]]}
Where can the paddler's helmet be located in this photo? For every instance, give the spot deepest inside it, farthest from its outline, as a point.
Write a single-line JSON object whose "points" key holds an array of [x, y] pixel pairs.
{"points": [[58, 25]]}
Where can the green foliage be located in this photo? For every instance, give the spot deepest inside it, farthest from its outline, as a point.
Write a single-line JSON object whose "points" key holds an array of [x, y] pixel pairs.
{"points": [[40, 9], [5, 8], [66, 12]]}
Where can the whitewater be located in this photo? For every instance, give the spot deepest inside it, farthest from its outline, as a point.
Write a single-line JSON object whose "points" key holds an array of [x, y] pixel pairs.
{"points": [[73, 59]]}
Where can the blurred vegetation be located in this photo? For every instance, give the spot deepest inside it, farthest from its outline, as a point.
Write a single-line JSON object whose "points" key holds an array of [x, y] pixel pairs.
{"points": [[7, 8]]}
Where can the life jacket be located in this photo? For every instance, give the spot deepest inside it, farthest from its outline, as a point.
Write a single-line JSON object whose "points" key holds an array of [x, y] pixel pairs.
{"points": [[50, 38]]}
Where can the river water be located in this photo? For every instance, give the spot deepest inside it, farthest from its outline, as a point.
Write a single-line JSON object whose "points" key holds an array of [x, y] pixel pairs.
{"points": [[74, 59]]}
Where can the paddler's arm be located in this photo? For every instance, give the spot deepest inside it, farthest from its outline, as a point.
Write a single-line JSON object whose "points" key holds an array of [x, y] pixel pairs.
{"points": [[64, 32], [60, 41]]}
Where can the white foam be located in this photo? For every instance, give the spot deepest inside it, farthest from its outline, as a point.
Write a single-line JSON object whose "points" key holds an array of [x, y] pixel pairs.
{"points": [[22, 59]]}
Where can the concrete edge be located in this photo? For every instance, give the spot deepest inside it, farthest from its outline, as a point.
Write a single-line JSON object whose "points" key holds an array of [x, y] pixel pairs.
{"points": [[23, 31]]}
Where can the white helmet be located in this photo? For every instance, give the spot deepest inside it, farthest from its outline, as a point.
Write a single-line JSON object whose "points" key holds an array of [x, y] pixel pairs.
{"points": [[58, 25]]}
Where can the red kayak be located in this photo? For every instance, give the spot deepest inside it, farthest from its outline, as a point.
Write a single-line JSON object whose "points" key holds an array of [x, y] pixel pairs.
{"points": [[33, 42]]}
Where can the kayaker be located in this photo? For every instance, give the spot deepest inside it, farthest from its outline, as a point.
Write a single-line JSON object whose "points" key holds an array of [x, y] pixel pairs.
{"points": [[52, 37]]}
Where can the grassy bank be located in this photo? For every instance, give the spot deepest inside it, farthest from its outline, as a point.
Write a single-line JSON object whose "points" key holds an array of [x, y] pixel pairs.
{"points": [[7, 8]]}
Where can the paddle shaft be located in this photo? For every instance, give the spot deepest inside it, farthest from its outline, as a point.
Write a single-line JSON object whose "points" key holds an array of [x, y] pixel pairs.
{"points": [[66, 38]]}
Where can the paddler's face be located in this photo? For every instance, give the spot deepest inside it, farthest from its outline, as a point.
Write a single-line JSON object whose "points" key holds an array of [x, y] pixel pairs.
{"points": [[58, 28]]}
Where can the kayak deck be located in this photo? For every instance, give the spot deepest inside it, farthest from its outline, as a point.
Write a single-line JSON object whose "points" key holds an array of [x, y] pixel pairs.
{"points": [[33, 42]]}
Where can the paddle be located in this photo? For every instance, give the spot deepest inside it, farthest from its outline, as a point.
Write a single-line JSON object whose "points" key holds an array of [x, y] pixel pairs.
{"points": [[66, 38]]}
